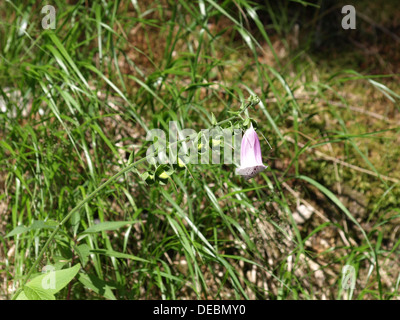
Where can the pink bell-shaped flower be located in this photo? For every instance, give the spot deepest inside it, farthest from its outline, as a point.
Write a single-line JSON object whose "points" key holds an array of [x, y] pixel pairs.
{"points": [[250, 155]]}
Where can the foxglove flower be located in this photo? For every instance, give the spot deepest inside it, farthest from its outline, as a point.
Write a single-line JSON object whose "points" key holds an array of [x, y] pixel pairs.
{"points": [[250, 155]]}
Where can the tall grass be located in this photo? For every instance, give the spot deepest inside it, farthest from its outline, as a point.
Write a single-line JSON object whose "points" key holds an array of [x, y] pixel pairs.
{"points": [[79, 101]]}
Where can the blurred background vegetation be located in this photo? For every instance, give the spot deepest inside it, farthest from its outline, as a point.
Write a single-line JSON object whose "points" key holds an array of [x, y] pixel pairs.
{"points": [[76, 101]]}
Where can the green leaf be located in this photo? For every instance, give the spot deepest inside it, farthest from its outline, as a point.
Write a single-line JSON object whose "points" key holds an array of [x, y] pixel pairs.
{"points": [[83, 252], [148, 178], [213, 119], [99, 286], [38, 294], [115, 254], [246, 123], [39, 224], [46, 285], [36, 225], [107, 226], [163, 172], [131, 157], [75, 221], [22, 296], [17, 230]]}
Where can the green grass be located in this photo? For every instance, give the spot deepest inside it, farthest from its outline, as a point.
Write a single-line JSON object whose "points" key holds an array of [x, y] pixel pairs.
{"points": [[80, 100]]}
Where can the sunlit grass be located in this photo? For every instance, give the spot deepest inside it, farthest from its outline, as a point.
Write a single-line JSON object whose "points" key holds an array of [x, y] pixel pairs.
{"points": [[80, 100]]}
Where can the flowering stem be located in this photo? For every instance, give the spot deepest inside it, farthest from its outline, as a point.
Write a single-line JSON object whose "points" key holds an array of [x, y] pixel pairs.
{"points": [[83, 202], [225, 121]]}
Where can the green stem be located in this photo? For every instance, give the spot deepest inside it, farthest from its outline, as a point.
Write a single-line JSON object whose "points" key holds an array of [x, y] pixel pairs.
{"points": [[82, 203], [66, 218]]}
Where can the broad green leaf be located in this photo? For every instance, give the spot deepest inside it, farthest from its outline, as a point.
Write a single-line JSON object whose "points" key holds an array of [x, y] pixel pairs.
{"points": [[22, 296], [83, 252], [36, 225], [107, 226], [97, 285], [46, 285], [39, 224], [38, 294], [17, 230]]}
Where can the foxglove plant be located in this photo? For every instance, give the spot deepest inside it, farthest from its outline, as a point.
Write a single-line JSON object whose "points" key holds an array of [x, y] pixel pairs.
{"points": [[250, 155]]}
